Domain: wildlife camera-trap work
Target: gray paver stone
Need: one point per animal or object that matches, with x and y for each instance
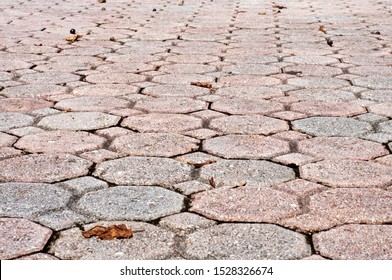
(184, 223)
(14, 120)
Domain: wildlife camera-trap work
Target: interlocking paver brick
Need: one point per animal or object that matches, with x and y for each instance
(6, 139)
(156, 242)
(385, 127)
(383, 109)
(23, 105)
(251, 69)
(328, 109)
(29, 199)
(99, 155)
(348, 173)
(294, 158)
(332, 126)
(187, 68)
(155, 122)
(190, 187)
(49, 77)
(313, 70)
(377, 95)
(60, 142)
(245, 204)
(195, 58)
(343, 206)
(246, 147)
(92, 104)
(301, 188)
(154, 144)
(341, 148)
(250, 92)
(355, 242)
(43, 168)
(239, 106)
(251, 172)
(374, 82)
(62, 219)
(248, 80)
(79, 121)
(84, 184)
(246, 241)
(143, 203)
(318, 82)
(105, 90)
(14, 120)
(323, 95)
(182, 79)
(21, 237)
(172, 105)
(34, 90)
(371, 118)
(116, 78)
(311, 59)
(146, 171)
(184, 223)
(175, 90)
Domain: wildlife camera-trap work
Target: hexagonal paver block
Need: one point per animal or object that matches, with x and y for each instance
(171, 105)
(332, 126)
(143, 171)
(60, 142)
(355, 242)
(14, 120)
(328, 109)
(311, 59)
(79, 121)
(348, 173)
(341, 148)
(374, 82)
(28, 199)
(250, 92)
(246, 242)
(245, 204)
(323, 95)
(20, 237)
(92, 103)
(239, 106)
(249, 80)
(251, 69)
(254, 124)
(49, 78)
(156, 242)
(251, 172)
(154, 144)
(175, 90)
(343, 206)
(377, 95)
(246, 147)
(183, 223)
(43, 168)
(385, 127)
(383, 109)
(23, 105)
(318, 82)
(34, 90)
(162, 123)
(115, 78)
(182, 79)
(105, 90)
(62, 219)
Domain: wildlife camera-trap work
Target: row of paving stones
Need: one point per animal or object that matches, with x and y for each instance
(315, 94)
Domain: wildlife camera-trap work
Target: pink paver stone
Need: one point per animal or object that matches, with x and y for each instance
(348, 173)
(116, 78)
(355, 242)
(173, 105)
(245, 204)
(239, 106)
(317, 82)
(250, 92)
(92, 103)
(383, 109)
(60, 142)
(195, 58)
(294, 158)
(49, 78)
(20, 237)
(249, 80)
(105, 90)
(162, 123)
(23, 105)
(6, 139)
(343, 206)
(34, 90)
(341, 148)
(246, 147)
(154, 144)
(254, 124)
(182, 79)
(301, 188)
(328, 109)
(43, 168)
(175, 90)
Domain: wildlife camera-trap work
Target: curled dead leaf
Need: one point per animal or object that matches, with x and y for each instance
(212, 182)
(112, 232)
(202, 84)
(262, 13)
(321, 28)
(73, 38)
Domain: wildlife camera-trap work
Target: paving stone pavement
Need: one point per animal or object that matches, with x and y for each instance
(216, 129)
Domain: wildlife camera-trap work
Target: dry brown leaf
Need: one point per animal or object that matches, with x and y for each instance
(73, 38)
(202, 84)
(262, 13)
(212, 182)
(101, 1)
(112, 232)
(321, 28)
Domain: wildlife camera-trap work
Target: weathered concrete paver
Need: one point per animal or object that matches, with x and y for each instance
(187, 116)
(21, 237)
(246, 241)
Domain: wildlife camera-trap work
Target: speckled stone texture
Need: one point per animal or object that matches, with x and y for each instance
(246, 241)
(21, 237)
(150, 243)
